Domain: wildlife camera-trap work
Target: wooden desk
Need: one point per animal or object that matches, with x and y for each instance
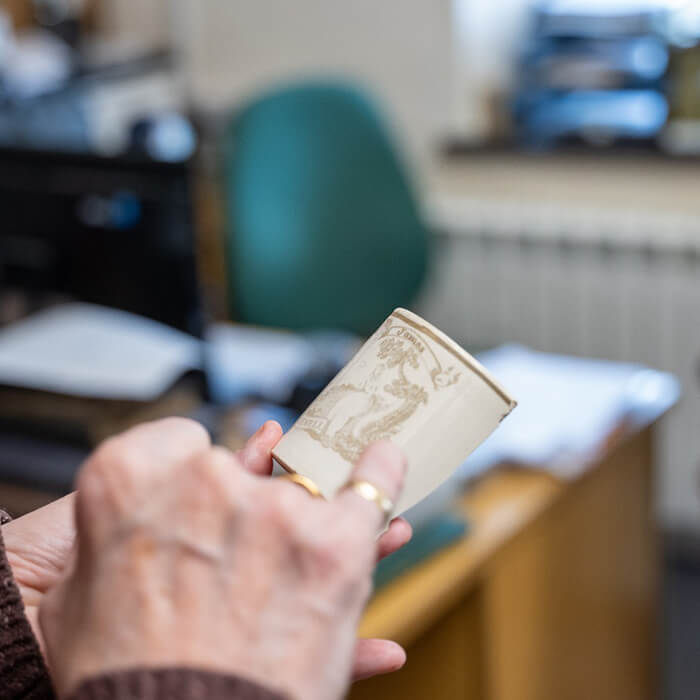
(552, 595)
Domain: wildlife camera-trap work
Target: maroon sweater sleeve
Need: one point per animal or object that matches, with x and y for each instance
(23, 674)
(171, 684)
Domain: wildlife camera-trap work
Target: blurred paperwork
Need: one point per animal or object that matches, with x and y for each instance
(568, 408)
(95, 352)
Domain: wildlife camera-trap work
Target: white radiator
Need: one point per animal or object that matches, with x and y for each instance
(616, 285)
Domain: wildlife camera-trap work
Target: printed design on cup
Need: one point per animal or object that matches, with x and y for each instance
(347, 417)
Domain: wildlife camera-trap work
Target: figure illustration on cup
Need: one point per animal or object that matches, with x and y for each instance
(409, 383)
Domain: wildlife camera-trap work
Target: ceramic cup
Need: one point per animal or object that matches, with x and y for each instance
(408, 383)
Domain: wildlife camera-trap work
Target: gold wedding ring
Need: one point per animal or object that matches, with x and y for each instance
(371, 493)
(305, 483)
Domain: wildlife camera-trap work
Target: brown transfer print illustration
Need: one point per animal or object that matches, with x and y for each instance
(348, 417)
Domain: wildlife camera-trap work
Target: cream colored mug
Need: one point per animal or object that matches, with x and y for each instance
(408, 383)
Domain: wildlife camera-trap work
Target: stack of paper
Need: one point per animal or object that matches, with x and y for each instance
(567, 407)
(97, 352)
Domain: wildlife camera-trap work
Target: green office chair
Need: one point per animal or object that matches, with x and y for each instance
(323, 229)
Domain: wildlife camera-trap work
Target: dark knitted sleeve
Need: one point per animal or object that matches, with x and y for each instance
(23, 674)
(171, 684)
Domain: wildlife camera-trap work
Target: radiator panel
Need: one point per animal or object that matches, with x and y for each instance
(566, 294)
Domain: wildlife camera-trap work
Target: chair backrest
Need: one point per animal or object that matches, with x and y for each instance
(323, 228)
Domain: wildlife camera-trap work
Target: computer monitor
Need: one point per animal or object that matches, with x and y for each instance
(111, 231)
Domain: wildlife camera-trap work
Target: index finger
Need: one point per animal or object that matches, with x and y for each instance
(383, 466)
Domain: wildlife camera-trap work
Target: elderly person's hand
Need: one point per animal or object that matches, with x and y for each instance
(38, 545)
(185, 559)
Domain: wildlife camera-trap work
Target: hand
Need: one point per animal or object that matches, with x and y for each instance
(38, 545)
(185, 559)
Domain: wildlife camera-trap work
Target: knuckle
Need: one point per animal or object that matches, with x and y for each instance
(326, 559)
(203, 470)
(209, 479)
(115, 472)
(116, 455)
(334, 554)
(164, 428)
(224, 466)
(185, 428)
(280, 508)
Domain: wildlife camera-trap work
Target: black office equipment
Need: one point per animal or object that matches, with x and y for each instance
(111, 231)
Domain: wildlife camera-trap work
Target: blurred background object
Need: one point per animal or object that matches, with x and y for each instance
(206, 205)
(592, 71)
(117, 231)
(323, 228)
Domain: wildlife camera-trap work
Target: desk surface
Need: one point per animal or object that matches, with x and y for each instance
(551, 595)
(498, 507)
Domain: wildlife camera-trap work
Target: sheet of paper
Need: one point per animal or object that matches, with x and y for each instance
(246, 361)
(94, 351)
(567, 407)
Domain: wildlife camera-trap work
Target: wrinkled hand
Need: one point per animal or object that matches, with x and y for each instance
(38, 546)
(184, 559)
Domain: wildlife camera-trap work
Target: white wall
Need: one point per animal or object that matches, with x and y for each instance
(435, 64)
(488, 35)
(401, 49)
